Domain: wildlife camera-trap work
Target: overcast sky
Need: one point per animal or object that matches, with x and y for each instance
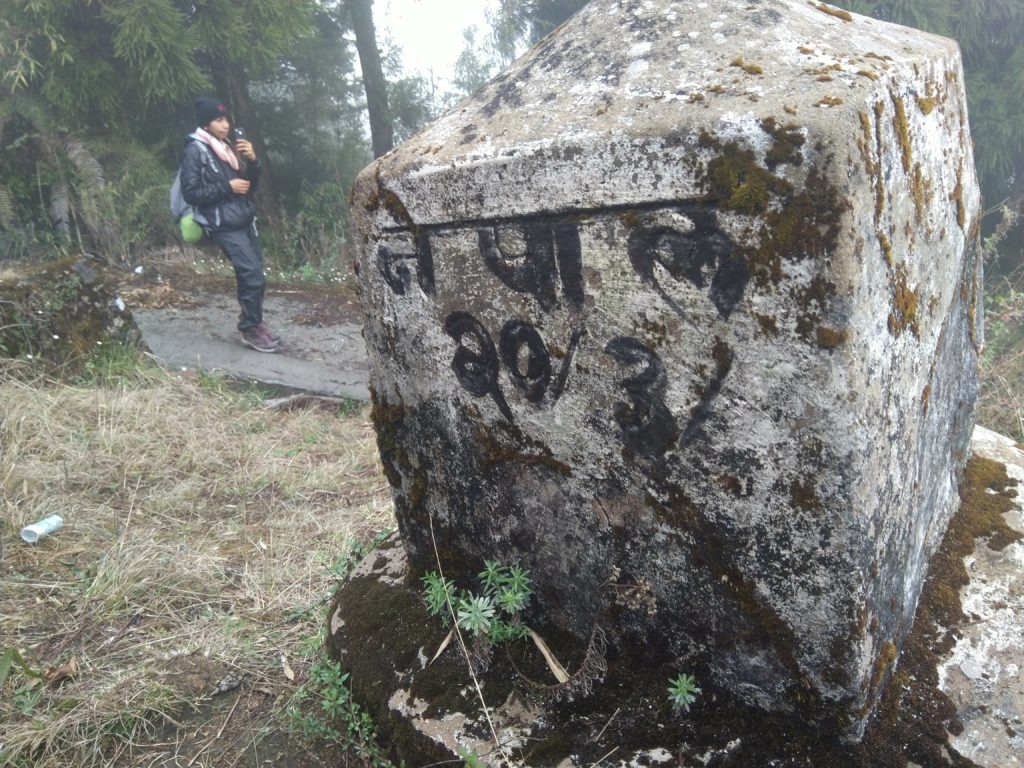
(429, 32)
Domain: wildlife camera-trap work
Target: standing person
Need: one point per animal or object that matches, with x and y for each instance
(219, 187)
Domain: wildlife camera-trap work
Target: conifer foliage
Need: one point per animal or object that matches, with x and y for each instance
(991, 38)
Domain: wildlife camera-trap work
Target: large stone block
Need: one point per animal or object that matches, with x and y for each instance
(682, 314)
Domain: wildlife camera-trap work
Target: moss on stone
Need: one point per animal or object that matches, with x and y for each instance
(830, 338)
(420, 488)
(803, 495)
(632, 219)
(787, 141)
(886, 246)
(879, 110)
(902, 128)
(750, 69)
(388, 422)
(957, 196)
(739, 183)
(883, 665)
(839, 13)
(502, 444)
(903, 314)
(394, 205)
(372, 200)
(711, 556)
(730, 484)
(384, 628)
(798, 225)
(768, 324)
(653, 333)
(813, 299)
(870, 138)
(920, 193)
(865, 127)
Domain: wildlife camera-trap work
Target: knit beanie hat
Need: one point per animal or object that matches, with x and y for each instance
(209, 109)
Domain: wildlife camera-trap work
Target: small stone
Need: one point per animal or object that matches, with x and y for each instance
(972, 669)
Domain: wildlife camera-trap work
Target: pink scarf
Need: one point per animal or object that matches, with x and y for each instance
(222, 150)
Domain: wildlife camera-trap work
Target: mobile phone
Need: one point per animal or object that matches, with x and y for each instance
(239, 133)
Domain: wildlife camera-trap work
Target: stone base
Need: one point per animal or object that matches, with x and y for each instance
(982, 673)
(965, 681)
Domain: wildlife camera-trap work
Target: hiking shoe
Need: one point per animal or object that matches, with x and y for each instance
(256, 338)
(270, 334)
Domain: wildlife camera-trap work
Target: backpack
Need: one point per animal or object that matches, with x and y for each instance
(190, 221)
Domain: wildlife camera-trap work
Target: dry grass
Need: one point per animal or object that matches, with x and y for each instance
(200, 533)
(1001, 403)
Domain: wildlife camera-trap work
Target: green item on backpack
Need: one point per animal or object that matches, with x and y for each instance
(190, 231)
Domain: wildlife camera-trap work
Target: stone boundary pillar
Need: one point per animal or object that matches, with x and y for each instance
(682, 314)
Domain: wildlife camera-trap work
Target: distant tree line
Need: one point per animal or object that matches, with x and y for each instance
(96, 97)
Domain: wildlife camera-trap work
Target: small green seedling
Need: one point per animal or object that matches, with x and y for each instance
(470, 759)
(494, 611)
(683, 691)
(438, 592)
(475, 613)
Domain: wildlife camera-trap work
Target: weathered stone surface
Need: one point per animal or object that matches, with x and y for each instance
(686, 303)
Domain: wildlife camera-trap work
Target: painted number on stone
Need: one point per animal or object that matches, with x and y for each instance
(523, 352)
(397, 258)
(647, 424)
(704, 256)
(543, 259)
(532, 257)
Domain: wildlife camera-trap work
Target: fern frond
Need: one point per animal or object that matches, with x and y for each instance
(8, 214)
(90, 172)
(60, 208)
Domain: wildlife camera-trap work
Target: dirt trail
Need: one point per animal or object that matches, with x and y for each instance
(188, 321)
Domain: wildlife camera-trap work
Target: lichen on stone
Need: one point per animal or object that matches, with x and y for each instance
(839, 13)
(903, 315)
(750, 69)
(902, 127)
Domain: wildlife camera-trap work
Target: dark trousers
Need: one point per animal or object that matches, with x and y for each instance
(242, 248)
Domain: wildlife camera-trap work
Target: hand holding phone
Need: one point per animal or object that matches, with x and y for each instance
(242, 145)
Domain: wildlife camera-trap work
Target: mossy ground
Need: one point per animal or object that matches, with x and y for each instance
(629, 711)
(58, 312)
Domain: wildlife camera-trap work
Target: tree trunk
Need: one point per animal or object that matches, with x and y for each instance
(381, 130)
(233, 86)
